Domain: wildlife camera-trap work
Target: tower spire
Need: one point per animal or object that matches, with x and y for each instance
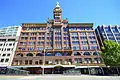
(57, 4)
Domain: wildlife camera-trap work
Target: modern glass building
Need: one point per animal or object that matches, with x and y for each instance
(57, 45)
(8, 42)
(108, 33)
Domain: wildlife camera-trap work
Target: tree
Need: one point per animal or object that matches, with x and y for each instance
(111, 53)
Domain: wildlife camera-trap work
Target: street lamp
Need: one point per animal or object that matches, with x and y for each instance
(43, 61)
(108, 68)
(44, 50)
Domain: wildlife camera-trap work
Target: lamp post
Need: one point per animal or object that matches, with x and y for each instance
(43, 62)
(88, 68)
(109, 68)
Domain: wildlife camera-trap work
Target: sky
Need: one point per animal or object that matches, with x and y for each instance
(16, 12)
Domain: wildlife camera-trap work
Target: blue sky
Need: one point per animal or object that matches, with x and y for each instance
(15, 12)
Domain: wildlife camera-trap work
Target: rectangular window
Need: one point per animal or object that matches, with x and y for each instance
(32, 38)
(10, 44)
(75, 37)
(76, 48)
(40, 48)
(39, 38)
(31, 48)
(43, 38)
(8, 49)
(24, 34)
(23, 49)
(93, 42)
(8, 54)
(11, 39)
(26, 62)
(4, 55)
(2, 60)
(110, 34)
(6, 60)
(24, 38)
(80, 28)
(36, 62)
(40, 61)
(111, 38)
(6, 44)
(91, 37)
(1, 44)
(2, 49)
(31, 43)
(83, 37)
(115, 30)
(30, 61)
(90, 33)
(48, 38)
(78, 60)
(74, 33)
(85, 47)
(94, 47)
(82, 33)
(84, 42)
(57, 38)
(88, 28)
(65, 29)
(75, 42)
(38, 43)
(33, 34)
(41, 33)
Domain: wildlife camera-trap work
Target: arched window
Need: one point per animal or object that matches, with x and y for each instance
(77, 54)
(29, 54)
(96, 54)
(20, 55)
(58, 54)
(49, 54)
(39, 54)
(86, 54)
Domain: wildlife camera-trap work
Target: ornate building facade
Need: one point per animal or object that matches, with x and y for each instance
(57, 43)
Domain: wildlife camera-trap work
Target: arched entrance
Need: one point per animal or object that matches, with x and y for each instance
(58, 70)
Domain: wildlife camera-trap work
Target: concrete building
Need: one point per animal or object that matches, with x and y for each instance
(57, 45)
(8, 42)
(108, 33)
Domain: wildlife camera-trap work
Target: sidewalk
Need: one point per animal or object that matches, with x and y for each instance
(60, 77)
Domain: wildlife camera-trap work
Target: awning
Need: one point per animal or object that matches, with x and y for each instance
(87, 66)
(24, 66)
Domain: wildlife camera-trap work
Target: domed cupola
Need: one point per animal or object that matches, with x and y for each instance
(57, 11)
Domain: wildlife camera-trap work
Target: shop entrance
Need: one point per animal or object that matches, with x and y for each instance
(58, 70)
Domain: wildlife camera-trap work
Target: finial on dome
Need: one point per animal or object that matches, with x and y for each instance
(57, 4)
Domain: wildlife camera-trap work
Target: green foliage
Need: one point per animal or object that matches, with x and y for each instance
(111, 53)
